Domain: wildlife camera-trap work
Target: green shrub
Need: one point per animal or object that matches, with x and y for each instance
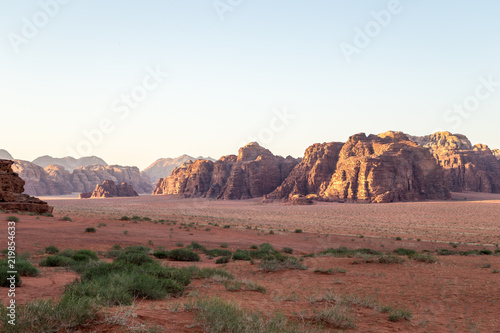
(273, 265)
(161, 254)
(404, 252)
(427, 258)
(137, 249)
(241, 255)
(56, 261)
(134, 258)
(298, 231)
(183, 255)
(196, 247)
(224, 245)
(222, 260)
(12, 218)
(399, 314)
(90, 229)
(218, 253)
(67, 253)
(51, 249)
(390, 259)
(288, 250)
(67, 218)
(125, 218)
(486, 252)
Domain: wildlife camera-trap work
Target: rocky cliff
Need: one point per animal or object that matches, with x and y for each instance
(466, 167)
(56, 180)
(108, 189)
(253, 173)
(163, 167)
(312, 174)
(385, 168)
(38, 181)
(496, 153)
(11, 189)
(4, 155)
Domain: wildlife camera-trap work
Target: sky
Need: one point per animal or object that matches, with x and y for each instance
(134, 81)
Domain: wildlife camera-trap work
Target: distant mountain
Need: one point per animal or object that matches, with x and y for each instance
(69, 163)
(4, 155)
(163, 167)
(496, 152)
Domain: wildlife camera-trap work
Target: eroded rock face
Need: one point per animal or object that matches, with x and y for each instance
(163, 167)
(69, 163)
(11, 192)
(312, 174)
(85, 179)
(496, 153)
(38, 181)
(385, 168)
(466, 167)
(108, 189)
(253, 173)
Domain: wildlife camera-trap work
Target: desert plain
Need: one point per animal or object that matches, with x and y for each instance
(456, 290)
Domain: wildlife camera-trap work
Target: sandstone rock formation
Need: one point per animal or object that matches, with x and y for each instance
(312, 174)
(109, 189)
(4, 155)
(496, 153)
(11, 189)
(38, 181)
(385, 168)
(69, 163)
(466, 167)
(163, 167)
(84, 179)
(253, 173)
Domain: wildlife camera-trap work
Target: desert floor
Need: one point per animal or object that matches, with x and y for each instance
(456, 294)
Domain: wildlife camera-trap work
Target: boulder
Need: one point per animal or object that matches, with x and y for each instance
(11, 192)
(108, 189)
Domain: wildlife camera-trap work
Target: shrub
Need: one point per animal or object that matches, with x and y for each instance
(404, 252)
(486, 252)
(67, 253)
(90, 229)
(67, 218)
(88, 253)
(224, 245)
(134, 258)
(125, 218)
(274, 265)
(427, 258)
(288, 250)
(298, 231)
(12, 218)
(227, 226)
(398, 238)
(56, 261)
(218, 253)
(399, 314)
(222, 260)
(51, 249)
(390, 259)
(183, 255)
(179, 244)
(137, 249)
(161, 254)
(337, 316)
(196, 247)
(254, 247)
(241, 255)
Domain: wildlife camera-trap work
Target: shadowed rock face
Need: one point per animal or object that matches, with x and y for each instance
(496, 153)
(253, 173)
(108, 189)
(385, 168)
(39, 181)
(466, 167)
(312, 174)
(11, 189)
(163, 167)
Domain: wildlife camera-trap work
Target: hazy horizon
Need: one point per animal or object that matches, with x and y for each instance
(134, 82)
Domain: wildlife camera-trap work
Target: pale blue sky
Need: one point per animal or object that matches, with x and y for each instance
(227, 77)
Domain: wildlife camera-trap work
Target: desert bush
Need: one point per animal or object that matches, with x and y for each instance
(390, 259)
(404, 252)
(337, 316)
(12, 218)
(427, 258)
(4, 275)
(56, 261)
(134, 258)
(486, 252)
(273, 265)
(222, 260)
(161, 254)
(51, 249)
(67, 218)
(196, 247)
(90, 229)
(241, 255)
(22, 266)
(298, 231)
(183, 255)
(137, 249)
(288, 250)
(399, 314)
(218, 253)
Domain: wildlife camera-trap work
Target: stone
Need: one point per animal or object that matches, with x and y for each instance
(163, 167)
(108, 189)
(38, 181)
(11, 192)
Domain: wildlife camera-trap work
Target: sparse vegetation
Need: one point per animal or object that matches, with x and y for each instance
(90, 229)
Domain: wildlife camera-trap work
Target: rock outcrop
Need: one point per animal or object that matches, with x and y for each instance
(11, 189)
(163, 167)
(496, 153)
(312, 174)
(38, 181)
(253, 173)
(385, 168)
(108, 189)
(69, 163)
(466, 167)
(85, 179)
